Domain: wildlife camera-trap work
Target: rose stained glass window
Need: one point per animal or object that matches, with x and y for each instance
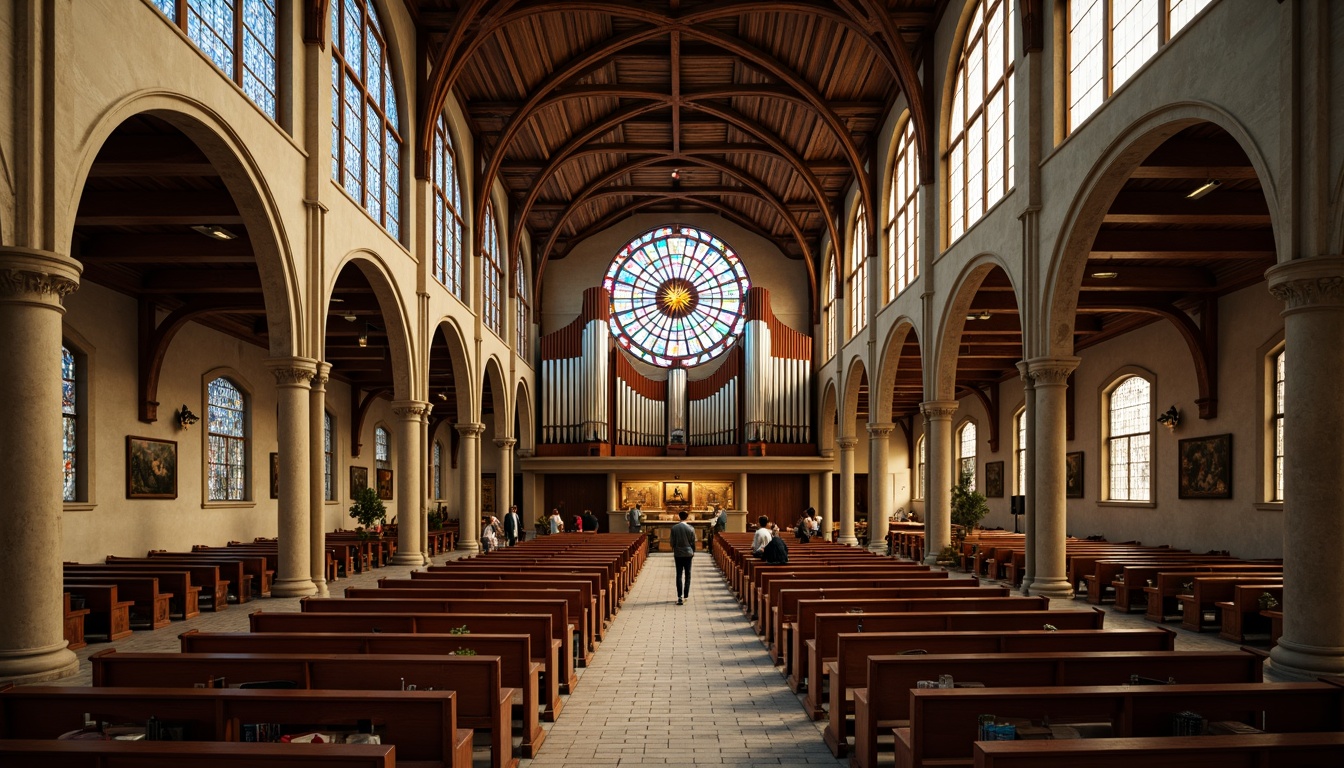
(677, 296)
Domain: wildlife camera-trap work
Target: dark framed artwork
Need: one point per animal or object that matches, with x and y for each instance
(275, 475)
(1206, 467)
(151, 468)
(359, 480)
(1073, 475)
(676, 494)
(385, 484)
(994, 479)
(487, 494)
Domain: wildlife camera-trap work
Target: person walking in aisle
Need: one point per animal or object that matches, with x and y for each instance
(683, 552)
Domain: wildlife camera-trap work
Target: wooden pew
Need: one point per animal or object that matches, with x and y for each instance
(255, 564)
(213, 589)
(537, 626)
(1207, 591)
(1131, 587)
(476, 570)
(518, 669)
(1242, 612)
(150, 607)
(420, 724)
(482, 702)
(885, 698)
(185, 600)
(762, 578)
(590, 596)
(767, 598)
(1255, 750)
(108, 615)
(186, 754)
(944, 723)
(227, 576)
(72, 628)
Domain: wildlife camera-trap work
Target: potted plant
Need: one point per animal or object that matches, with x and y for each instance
(436, 518)
(968, 507)
(369, 511)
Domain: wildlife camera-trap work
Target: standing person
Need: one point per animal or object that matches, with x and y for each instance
(513, 526)
(635, 519)
(683, 552)
(557, 525)
(762, 536)
(720, 519)
(490, 535)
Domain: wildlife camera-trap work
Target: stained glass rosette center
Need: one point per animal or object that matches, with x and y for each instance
(676, 296)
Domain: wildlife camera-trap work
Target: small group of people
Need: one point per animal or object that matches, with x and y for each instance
(767, 544)
(808, 527)
(587, 521)
(509, 530)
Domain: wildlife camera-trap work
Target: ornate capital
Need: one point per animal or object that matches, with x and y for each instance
(37, 276)
(939, 410)
(1308, 283)
(1051, 371)
(526, 453)
(472, 429)
(506, 443)
(847, 443)
(881, 430)
(322, 375)
(292, 371)
(411, 410)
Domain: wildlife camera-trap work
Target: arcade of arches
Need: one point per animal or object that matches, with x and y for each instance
(680, 252)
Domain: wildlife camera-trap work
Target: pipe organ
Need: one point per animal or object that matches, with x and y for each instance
(640, 407)
(713, 404)
(777, 376)
(574, 376)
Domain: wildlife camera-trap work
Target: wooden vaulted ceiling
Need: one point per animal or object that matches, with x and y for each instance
(590, 110)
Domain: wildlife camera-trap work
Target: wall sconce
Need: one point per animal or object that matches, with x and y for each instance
(1171, 419)
(185, 418)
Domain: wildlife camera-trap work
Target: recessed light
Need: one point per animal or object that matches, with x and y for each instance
(215, 232)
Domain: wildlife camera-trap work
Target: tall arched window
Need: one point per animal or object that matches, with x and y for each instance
(1276, 426)
(922, 450)
(1020, 451)
(903, 216)
(492, 275)
(436, 461)
(242, 45)
(523, 326)
(980, 145)
(1129, 439)
(382, 448)
(1110, 39)
(830, 323)
(70, 424)
(857, 273)
(365, 141)
(966, 452)
(226, 452)
(447, 211)
(328, 485)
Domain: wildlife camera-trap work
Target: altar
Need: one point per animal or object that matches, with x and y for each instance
(658, 524)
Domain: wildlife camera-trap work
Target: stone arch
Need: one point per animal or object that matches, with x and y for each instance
(242, 176)
(946, 337)
(523, 409)
(882, 390)
(493, 374)
(856, 373)
(1064, 276)
(407, 381)
(827, 418)
(459, 356)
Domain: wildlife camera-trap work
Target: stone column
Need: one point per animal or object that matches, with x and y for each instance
(1029, 477)
(938, 465)
(826, 479)
(426, 483)
(410, 471)
(846, 445)
(504, 482)
(879, 484)
(742, 499)
(293, 387)
(1050, 376)
(471, 481)
(1313, 485)
(32, 286)
(528, 509)
(317, 479)
(613, 497)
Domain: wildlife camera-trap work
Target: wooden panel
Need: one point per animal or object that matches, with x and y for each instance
(782, 498)
(577, 493)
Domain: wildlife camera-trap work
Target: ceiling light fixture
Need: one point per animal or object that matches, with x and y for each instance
(981, 315)
(363, 339)
(676, 174)
(349, 317)
(1204, 189)
(1103, 275)
(215, 232)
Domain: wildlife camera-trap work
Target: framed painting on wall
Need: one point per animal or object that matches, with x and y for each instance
(1206, 467)
(359, 480)
(275, 475)
(994, 479)
(676, 494)
(151, 468)
(711, 492)
(646, 495)
(487, 494)
(1073, 475)
(385, 484)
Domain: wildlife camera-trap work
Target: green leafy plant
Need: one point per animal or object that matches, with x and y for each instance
(949, 554)
(368, 510)
(1268, 602)
(462, 630)
(463, 652)
(436, 518)
(968, 505)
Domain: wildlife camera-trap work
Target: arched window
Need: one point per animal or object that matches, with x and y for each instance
(447, 211)
(922, 449)
(523, 326)
(365, 142)
(1110, 39)
(903, 216)
(328, 485)
(1129, 439)
(437, 464)
(966, 452)
(382, 448)
(980, 145)
(1020, 451)
(226, 452)
(1276, 426)
(492, 274)
(242, 45)
(70, 426)
(857, 273)
(830, 323)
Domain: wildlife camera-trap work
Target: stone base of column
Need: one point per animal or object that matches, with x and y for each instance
(930, 559)
(1305, 662)
(293, 588)
(849, 541)
(408, 558)
(321, 585)
(35, 665)
(468, 546)
(1055, 589)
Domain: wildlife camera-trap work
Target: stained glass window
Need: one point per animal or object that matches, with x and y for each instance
(1130, 440)
(69, 426)
(492, 274)
(857, 273)
(366, 143)
(382, 448)
(831, 323)
(523, 326)
(438, 469)
(980, 149)
(922, 449)
(677, 296)
(447, 211)
(1278, 426)
(327, 484)
(966, 452)
(1020, 451)
(220, 31)
(227, 441)
(903, 216)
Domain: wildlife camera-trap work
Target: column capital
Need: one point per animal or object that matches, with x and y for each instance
(1313, 283)
(469, 428)
(526, 453)
(847, 443)
(506, 443)
(322, 375)
(1051, 371)
(939, 410)
(42, 277)
(881, 430)
(410, 410)
(292, 371)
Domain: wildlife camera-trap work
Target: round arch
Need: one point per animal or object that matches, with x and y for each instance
(500, 396)
(522, 407)
(459, 359)
(827, 419)
(855, 374)
(407, 379)
(946, 339)
(883, 388)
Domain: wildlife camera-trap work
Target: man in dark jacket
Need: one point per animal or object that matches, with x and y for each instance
(513, 525)
(683, 552)
(589, 521)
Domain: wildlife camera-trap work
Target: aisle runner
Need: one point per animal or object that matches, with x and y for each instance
(682, 685)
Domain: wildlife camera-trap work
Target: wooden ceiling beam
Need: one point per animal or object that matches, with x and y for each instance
(198, 281)
(817, 165)
(1209, 151)
(1145, 278)
(1195, 173)
(1182, 243)
(186, 248)
(156, 207)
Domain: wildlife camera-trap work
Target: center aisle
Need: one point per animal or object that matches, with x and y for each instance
(682, 685)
